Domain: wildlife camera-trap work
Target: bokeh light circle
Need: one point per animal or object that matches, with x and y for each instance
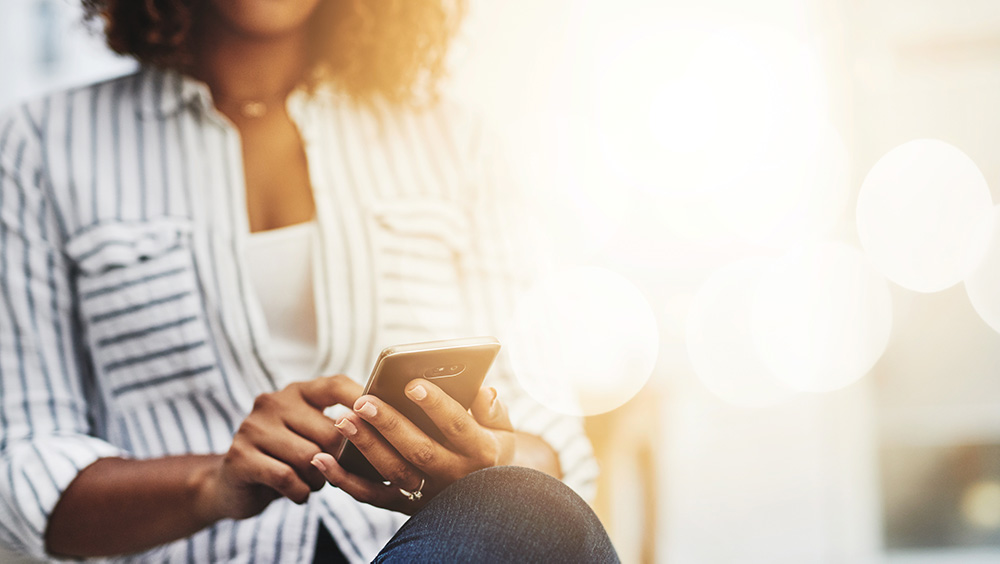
(980, 504)
(983, 283)
(720, 341)
(583, 341)
(821, 317)
(924, 215)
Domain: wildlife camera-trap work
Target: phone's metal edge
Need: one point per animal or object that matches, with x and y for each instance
(438, 345)
(394, 350)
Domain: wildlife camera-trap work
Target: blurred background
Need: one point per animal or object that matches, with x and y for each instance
(776, 258)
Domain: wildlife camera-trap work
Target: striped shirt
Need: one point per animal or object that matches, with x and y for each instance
(128, 324)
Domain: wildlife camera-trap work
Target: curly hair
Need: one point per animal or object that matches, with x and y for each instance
(390, 48)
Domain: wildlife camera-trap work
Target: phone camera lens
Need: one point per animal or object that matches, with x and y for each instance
(444, 371)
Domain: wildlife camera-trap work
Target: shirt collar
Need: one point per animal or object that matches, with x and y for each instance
(165, 93)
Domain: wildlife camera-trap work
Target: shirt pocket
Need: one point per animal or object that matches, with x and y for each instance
(421, 251)
(142, 311)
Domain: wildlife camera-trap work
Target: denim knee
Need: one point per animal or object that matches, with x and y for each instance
(503, 514)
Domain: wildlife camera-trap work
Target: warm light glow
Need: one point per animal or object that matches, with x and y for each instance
(730, 130)
(720, 340)
(981, 505)
(924, 215)
(556, 159)
(583, 341)
(674, 315)
(794, 194)
(821, 317)
(983, 284)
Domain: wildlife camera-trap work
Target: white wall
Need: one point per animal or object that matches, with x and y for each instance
(44, 45)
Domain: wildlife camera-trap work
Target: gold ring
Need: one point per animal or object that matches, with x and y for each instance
(415, 494)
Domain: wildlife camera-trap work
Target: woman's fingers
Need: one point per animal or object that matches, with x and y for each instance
(489, 411)
(365, 491)
(255, 467)
(272, 450)
(315, 426)
(412, 443)
(406, 456)
(328, 390)
(393, 466)
(288, 447)
(461, 430)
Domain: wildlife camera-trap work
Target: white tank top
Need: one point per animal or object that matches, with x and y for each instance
(279, 262)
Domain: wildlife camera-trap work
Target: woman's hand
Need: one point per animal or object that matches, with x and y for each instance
(408, 457)
(271, 452)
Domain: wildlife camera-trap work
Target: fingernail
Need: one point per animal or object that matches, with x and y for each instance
(346, 426)
(493, 395)
(368, 409)
(418, 392)
(319, 463)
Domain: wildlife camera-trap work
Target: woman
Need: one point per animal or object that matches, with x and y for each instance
(188, 250)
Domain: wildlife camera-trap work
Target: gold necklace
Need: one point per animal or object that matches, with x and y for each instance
(253, 109)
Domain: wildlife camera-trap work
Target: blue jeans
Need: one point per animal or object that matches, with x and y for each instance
(504, 514)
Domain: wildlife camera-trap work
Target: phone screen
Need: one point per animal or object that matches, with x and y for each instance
(457, 366)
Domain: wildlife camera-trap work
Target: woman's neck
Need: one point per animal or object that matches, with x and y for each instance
(241, 69)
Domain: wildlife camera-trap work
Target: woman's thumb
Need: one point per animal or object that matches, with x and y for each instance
(489, 411)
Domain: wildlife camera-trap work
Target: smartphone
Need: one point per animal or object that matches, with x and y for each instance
(457, 366)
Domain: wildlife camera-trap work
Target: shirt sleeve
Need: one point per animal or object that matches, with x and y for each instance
(509, 251)
(45, 434)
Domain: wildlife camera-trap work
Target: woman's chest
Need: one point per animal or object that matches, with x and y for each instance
(275, 173)
(164, 299)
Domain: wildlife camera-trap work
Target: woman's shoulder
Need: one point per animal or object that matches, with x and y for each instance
(143, 89)
(444, 120)
(454, 116)
(36, 104)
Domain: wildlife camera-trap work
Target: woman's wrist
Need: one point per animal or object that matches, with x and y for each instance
(204, 484)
